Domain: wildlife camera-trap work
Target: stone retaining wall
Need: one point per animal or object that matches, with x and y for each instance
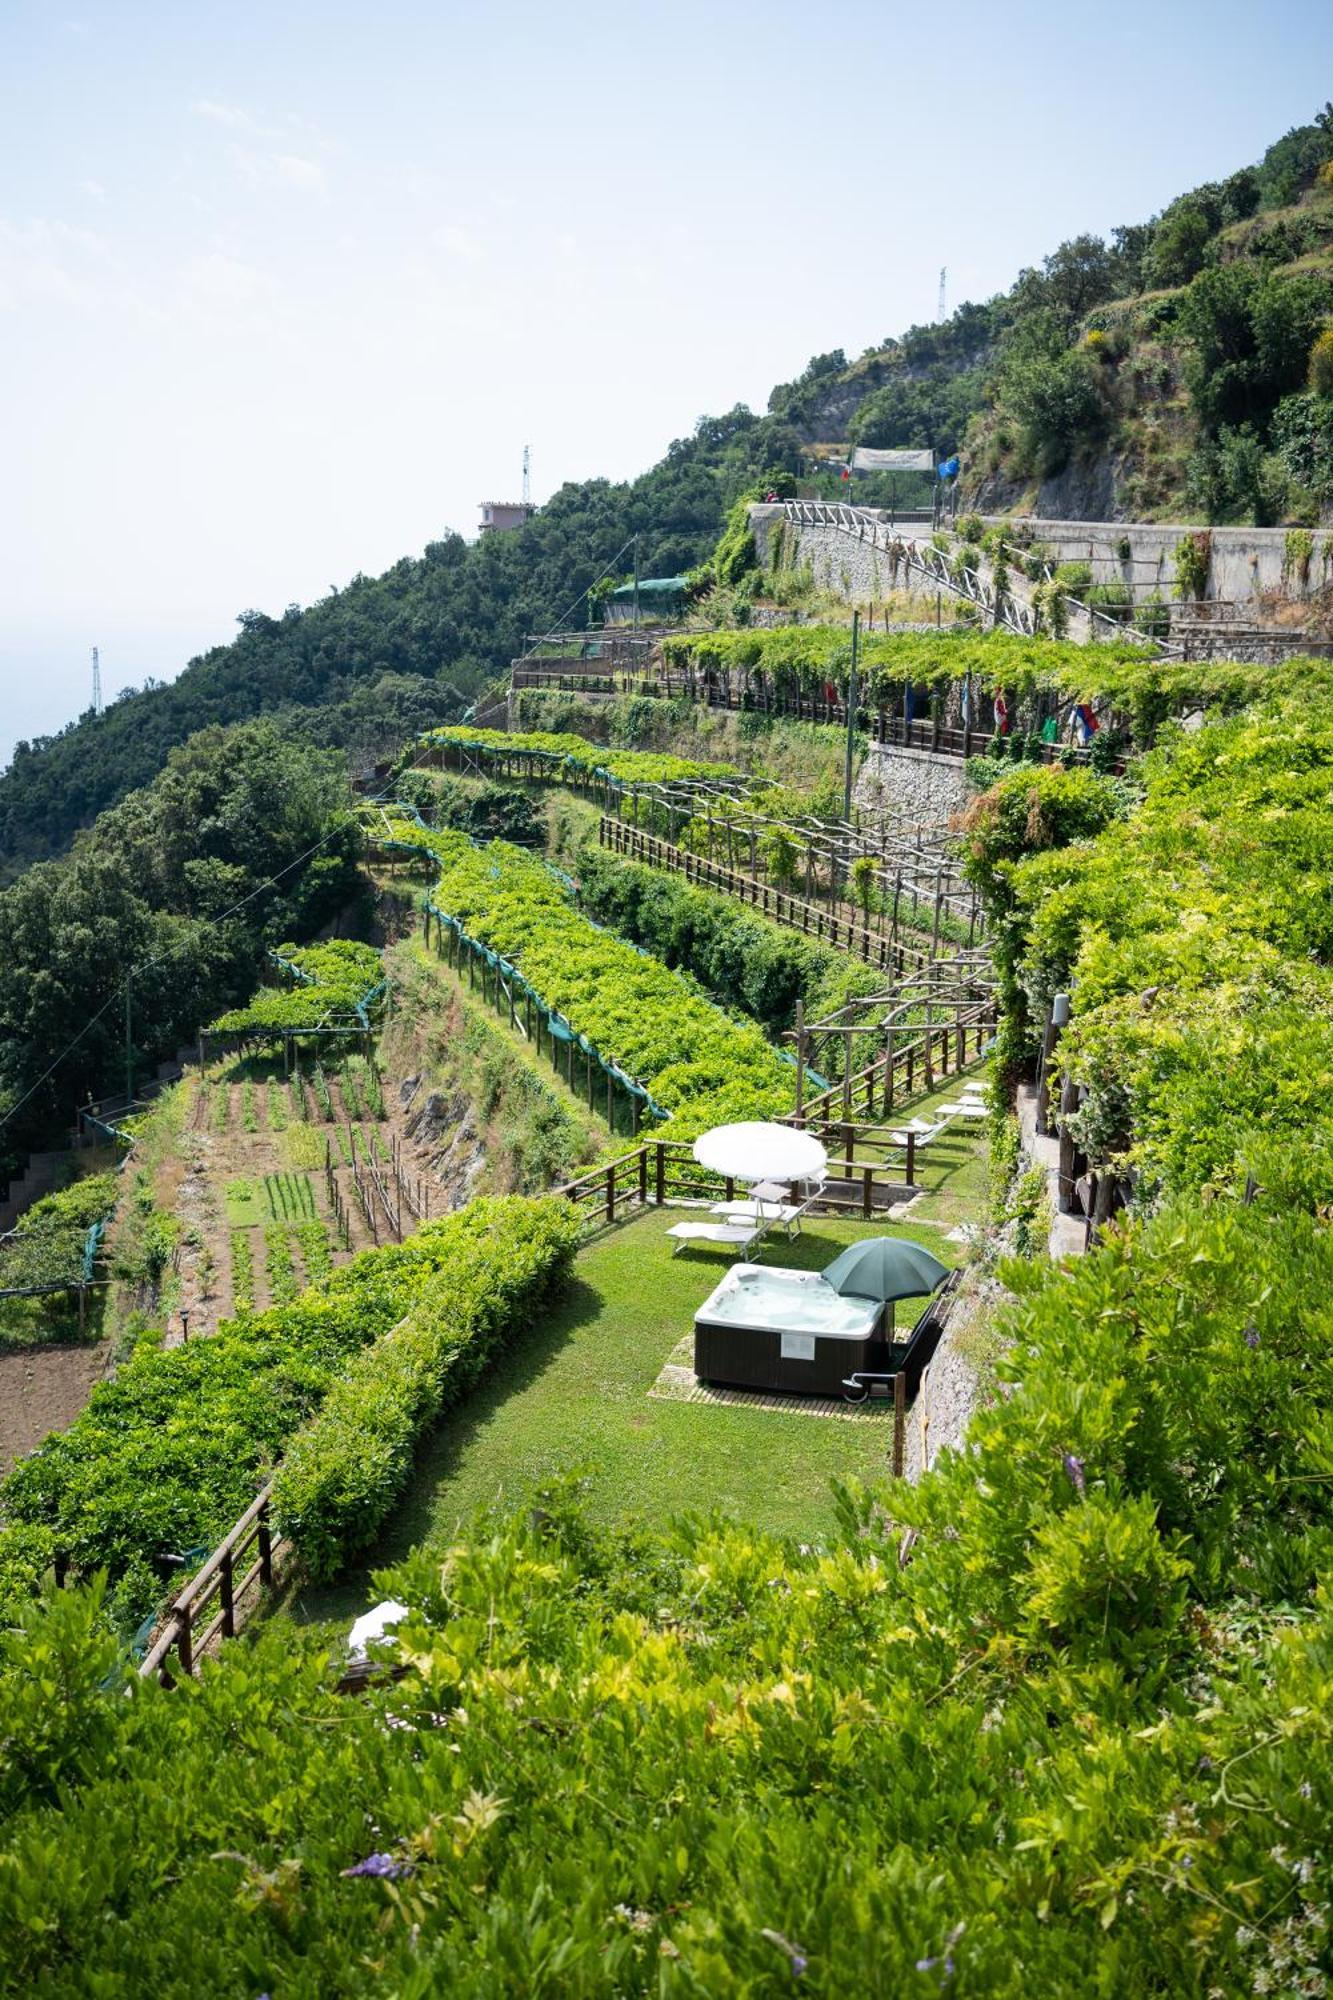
(912, 784)
(1244, 561)
(838, 561)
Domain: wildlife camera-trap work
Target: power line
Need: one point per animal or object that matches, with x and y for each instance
(97, 683)
(609, 571)
(164, 958)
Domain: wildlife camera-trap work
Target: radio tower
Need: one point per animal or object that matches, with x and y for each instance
(97, 683)
(939, 311)
(527, 478)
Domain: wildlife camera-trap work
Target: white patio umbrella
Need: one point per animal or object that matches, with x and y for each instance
(755, 1151)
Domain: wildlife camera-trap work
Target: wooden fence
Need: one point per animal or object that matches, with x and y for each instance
(914, 1068)
(888, 954)
(191, 1624)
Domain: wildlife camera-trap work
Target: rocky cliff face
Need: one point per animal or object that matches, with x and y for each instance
(1091, 489)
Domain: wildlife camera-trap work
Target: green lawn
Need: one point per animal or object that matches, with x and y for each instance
(575, 1395)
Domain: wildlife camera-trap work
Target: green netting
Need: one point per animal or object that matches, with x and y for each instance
(557, 1027)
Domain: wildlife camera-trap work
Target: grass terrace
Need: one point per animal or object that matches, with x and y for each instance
(575, 1395)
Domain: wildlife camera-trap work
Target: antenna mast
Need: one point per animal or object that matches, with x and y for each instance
(97, 683)
(944, 273)
(527, 478)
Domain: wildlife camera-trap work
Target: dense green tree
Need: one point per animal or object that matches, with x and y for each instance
(243, 840)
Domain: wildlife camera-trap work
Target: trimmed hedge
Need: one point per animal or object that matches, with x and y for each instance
(504, 1258)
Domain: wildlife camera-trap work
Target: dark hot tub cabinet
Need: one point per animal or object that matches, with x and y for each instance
(765, 1328)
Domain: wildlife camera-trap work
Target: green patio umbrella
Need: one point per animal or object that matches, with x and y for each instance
(885, 1268)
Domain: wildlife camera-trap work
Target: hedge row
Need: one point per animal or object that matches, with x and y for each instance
(168, 1454)
(502, 1261)
(568, 753)
(738, 956)
(702, 1065)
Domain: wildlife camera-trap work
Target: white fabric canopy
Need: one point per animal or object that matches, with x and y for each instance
(754, 1151)
(867, 459)
(374, 1625)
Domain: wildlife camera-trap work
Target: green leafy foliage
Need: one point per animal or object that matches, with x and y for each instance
(149, 891)
(168, 1454)
(345, 1469)
(704, 1066)
(49, 1240)
(567, 755)
(329, 982)
(740, 958)
(242, 1271)
(1195, 935)
(1087, 1693)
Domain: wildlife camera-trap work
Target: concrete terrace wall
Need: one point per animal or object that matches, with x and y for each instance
(838, 561)
(1244, 560)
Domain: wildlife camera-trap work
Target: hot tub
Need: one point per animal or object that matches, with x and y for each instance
(787, 1330)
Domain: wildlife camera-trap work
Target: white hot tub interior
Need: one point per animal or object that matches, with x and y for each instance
(754, 1295)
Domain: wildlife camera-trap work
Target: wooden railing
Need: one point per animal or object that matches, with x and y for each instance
(873, 1170)
(888, 954)
(188, 1629)
(922, 1061)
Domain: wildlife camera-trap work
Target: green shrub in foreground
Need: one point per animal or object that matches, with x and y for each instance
(1072, 1736)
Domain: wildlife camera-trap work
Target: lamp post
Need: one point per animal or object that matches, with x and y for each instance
(851, 721)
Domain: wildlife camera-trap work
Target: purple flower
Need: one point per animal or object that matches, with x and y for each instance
(1074, 1469)
(1251, 1336)
(382, 1865)
(795, 1957)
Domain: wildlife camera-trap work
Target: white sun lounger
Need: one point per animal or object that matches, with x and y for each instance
(743, 1234)
(922, 1133)
(787, 1214)
(967, 1107)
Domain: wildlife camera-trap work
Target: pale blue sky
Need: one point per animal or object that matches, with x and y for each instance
(284, 289)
